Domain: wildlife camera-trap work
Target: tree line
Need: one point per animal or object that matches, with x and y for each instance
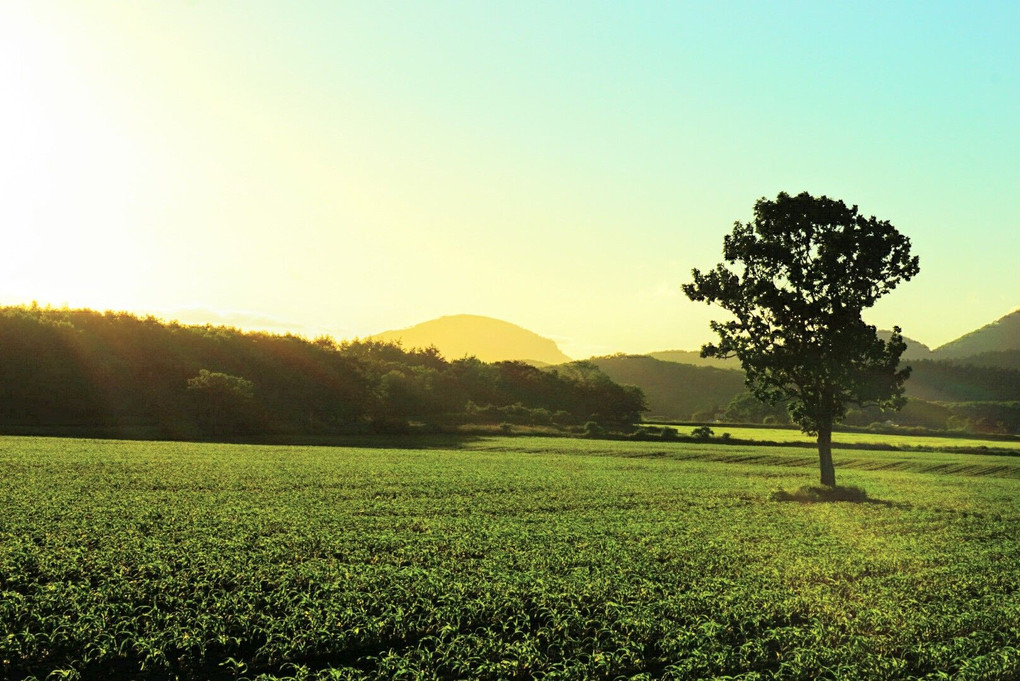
(978, 417)
(121, 374)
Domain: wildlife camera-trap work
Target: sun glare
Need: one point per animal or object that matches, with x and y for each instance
(71, 173)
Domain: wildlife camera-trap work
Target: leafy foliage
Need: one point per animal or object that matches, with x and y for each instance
(796, 280)
(746, 408)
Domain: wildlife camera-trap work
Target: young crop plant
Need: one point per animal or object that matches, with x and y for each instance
(796, 279)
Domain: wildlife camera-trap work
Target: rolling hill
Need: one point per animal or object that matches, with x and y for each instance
(980, 366)
(693, 357)
(915, 350)
(674, 390)
(1001, 336)
(678, 391)
(488, 339)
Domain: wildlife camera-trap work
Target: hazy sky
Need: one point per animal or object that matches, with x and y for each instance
(355, 167)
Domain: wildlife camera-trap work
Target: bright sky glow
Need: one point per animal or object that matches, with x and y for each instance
(357, 167)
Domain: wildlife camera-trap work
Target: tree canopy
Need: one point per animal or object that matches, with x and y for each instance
(796, 279)
(83, 372)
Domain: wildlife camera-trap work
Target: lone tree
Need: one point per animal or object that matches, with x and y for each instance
(796, 279)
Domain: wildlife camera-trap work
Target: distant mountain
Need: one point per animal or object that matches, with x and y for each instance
(674, 390)
(915, 349)
(488, 339)
(677, 391)
(693, 357)
(953, 381)
(1003, 359)
(999, 336)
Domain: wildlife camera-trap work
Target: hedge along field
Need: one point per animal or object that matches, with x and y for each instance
(855, 438)
(502, 558)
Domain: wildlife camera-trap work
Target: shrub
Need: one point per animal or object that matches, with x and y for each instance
(563, 418)
(702, 433)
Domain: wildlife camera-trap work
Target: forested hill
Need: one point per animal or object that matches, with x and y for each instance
(694, 358)
(914, 350)
(699, 393)
(118, 374)
(1002, 335)
(674, 390)
(952, 382)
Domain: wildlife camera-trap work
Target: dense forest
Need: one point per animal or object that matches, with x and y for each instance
(676, 390)
(117, 374)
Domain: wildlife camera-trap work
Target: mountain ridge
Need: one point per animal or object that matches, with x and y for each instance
(491, 340)
(1002, 335)
(682, 384)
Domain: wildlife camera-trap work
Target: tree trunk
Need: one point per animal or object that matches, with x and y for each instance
(825, 454)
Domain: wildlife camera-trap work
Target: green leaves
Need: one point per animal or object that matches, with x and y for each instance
(796, 279)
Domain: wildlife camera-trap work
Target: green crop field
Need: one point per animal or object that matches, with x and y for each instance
(502, 558)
